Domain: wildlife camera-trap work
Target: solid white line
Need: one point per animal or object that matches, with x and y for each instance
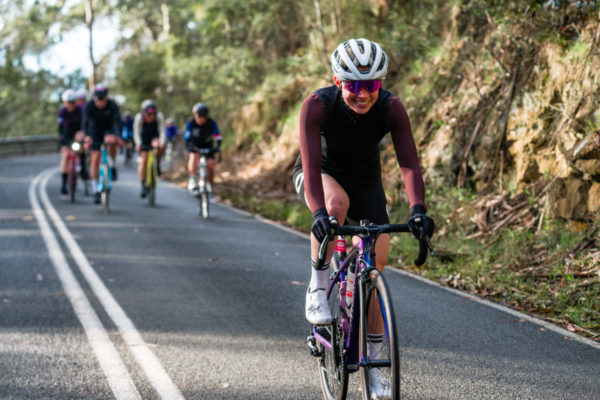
(150, 364)
(116, 373)
(508, 310)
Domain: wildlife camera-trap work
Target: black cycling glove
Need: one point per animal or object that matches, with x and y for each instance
(321, 226)
(418, 222)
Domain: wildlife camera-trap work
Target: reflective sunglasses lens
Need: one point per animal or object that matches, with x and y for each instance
(356, 86)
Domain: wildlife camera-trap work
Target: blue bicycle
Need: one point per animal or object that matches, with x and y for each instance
(104, 179)
(362, 335)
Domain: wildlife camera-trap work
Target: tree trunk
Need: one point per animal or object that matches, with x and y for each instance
(89, 21)
(165, 19)
(320, 25)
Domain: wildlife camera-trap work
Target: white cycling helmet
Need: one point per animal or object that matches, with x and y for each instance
(69, 96)
(349, 60)
(82, 94)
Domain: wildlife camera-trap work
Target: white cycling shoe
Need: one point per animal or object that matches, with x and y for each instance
(192, 185)
(317, 308)
(380, 385)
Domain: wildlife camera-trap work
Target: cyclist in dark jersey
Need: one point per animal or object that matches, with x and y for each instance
(201, 132)
(338, 172)
(101, 124)
(81, 98)
(69, 123)
(148, 132)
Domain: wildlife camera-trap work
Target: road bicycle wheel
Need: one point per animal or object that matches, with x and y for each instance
(204, 203)
(104, 196)
(152, 183)
(380, 361)
(332, 374)
(72, 181)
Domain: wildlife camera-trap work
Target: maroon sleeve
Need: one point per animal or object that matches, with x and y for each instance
(406, 152)
(312, 117)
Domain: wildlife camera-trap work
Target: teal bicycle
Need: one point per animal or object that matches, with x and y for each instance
(104, 179)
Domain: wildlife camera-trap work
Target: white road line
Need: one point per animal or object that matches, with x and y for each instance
(150, 364)
(113, 367)
(508, 310)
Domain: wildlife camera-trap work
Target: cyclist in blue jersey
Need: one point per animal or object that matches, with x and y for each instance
(149, 133)
(127, 127)
(171, 130)
(101, 124)
(201, 132)
(69, 124)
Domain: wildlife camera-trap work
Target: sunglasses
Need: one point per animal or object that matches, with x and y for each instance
(356, 86)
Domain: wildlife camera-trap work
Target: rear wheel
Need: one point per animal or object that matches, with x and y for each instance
(380, 361)
(333, 375)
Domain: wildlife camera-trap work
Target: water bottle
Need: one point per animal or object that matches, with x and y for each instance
(350, 288)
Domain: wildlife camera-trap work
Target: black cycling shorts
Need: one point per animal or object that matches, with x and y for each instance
(367, 201)
(66, 139)
(98, 139)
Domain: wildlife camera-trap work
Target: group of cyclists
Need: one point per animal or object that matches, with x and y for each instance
(337, 173)
(97, 122)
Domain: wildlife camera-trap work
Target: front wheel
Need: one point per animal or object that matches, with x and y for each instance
(104, 196)
(332, 373)
(379, 361)
(204, 203)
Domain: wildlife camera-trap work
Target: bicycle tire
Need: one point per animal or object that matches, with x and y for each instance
(104, 196)
(152, 186)
(72, 181)
(375, 288)
(204, 204)
(332, 373)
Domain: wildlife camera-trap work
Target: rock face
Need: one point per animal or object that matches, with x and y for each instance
(538, 122)
(569, 198)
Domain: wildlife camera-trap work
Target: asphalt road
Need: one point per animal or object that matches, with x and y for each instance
(157, 303)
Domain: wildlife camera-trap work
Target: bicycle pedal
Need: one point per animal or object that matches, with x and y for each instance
(324, 332)
(311, 341)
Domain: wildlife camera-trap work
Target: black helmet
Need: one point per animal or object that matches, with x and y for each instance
(200, 109)
(100, 92)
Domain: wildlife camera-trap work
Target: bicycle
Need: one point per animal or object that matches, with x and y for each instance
(169, 151)
(203, 194)
(342, 346)
(129, 146)
(151, 177)
(104, 179)
(74, 167)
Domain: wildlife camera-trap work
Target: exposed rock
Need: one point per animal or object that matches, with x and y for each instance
(569, 198)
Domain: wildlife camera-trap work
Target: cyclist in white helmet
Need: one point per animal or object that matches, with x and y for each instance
(69, 124)
(148, 133)
(81, 98)
(338, 171)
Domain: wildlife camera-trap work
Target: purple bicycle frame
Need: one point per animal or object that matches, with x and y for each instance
(349, 323)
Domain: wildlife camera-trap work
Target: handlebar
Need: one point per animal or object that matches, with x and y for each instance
(375, 230)
(205, 150)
